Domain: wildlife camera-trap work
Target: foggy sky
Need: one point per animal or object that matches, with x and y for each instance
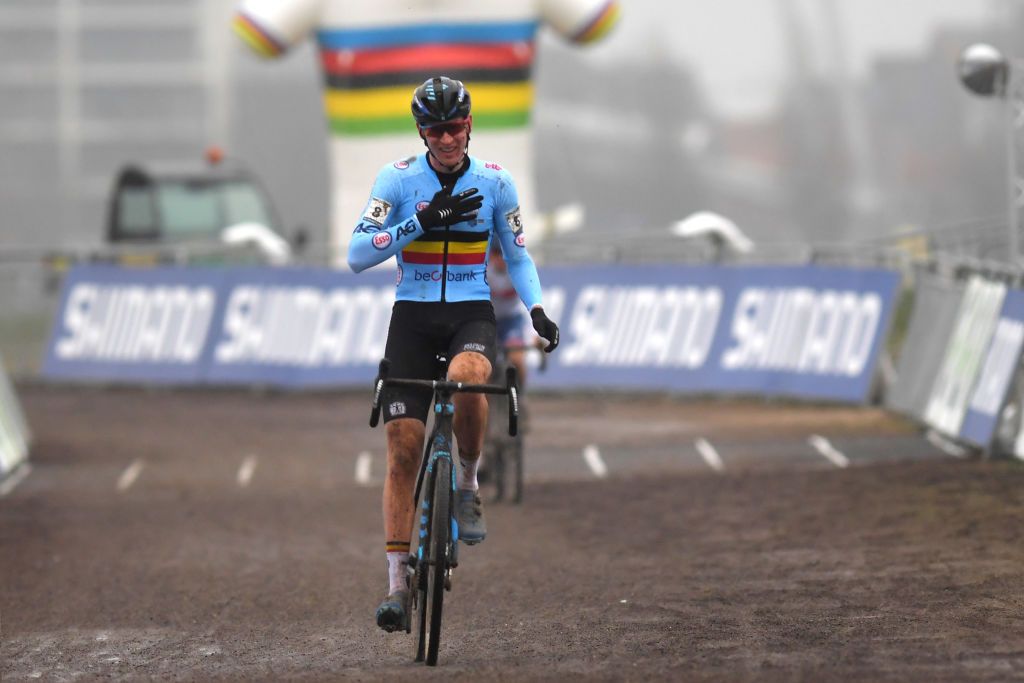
(737, 48)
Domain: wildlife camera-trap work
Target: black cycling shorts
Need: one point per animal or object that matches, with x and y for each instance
(419, 331)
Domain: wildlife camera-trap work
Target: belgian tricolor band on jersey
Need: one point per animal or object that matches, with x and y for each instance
(464, 248)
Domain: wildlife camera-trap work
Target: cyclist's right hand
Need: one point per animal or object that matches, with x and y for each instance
(446, 209)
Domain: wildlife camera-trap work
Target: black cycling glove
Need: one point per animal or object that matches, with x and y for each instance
(445, 209)
(545, 327)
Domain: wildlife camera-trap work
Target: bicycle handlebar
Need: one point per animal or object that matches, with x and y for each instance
(378, 389)
(447, 387)
(443, 385)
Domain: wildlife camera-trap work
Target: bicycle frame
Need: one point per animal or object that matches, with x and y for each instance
(436, 551)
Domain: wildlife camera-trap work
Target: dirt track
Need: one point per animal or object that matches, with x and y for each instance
(907, 565)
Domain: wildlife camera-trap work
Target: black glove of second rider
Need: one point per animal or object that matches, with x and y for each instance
(445, 209)
(545, 327)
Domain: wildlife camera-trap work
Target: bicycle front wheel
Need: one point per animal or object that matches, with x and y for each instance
(425, 491)
(440, 540)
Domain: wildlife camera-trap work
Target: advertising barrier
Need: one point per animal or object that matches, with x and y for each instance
(976, 320)
(992, 384)
(14, 432)
(932, 320)
(806, 331)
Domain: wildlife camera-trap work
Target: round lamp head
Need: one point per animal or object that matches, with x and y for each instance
(984, 70)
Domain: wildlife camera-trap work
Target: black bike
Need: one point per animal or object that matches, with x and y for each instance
(437, 548)
(503, 455)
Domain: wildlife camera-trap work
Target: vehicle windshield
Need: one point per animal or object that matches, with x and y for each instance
(198, 208)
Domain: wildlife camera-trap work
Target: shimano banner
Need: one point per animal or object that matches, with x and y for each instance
(993, 381)
(799, 331)
(134, 324)
(976, 321)
(273, 326)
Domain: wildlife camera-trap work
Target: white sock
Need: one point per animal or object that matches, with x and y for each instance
(466, 479)
(397, 564)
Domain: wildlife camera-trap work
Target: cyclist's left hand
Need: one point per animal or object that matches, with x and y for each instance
(545, 327)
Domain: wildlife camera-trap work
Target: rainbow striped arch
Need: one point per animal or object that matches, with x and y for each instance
(370, 74)
(257, 37)
(601, 24)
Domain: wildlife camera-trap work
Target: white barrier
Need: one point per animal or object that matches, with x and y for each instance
(14, 432)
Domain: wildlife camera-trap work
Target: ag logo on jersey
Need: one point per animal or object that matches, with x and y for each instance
(377, 211)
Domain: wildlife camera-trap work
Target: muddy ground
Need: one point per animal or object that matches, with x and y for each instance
(229, 535)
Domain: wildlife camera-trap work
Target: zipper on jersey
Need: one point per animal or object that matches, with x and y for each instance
(444, 263)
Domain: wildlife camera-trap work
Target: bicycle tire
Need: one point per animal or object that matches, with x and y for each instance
(440, 538)
(499, 471)
(423, 552)
(421, 604)
(517, 459)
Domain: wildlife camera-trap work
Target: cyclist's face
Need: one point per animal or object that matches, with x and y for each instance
(448, 141)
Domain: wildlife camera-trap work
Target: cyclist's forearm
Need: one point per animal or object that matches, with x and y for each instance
(523, 273)
(371, 244)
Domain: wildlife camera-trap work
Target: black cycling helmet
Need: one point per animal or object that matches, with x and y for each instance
(438, 100)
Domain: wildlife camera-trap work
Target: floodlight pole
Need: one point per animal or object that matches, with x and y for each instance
(1014, 153)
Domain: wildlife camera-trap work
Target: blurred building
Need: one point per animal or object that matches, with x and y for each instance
(88, 85)
(944, 157)
(621, 140)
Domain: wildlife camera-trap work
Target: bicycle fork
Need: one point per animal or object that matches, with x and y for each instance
(441, 448)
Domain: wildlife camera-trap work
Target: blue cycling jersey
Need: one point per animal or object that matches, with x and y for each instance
(447, 263)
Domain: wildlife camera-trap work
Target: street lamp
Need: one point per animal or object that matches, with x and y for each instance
(986, 72)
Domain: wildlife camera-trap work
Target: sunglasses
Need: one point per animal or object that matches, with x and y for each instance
(440, 129)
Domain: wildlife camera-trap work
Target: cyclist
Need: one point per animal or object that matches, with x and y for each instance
(508, 313)
(437, 213)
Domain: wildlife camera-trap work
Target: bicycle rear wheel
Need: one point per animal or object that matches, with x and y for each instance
(440, 539)
(517, 460)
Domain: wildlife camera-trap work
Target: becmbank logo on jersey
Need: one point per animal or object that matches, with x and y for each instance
(435, 276)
